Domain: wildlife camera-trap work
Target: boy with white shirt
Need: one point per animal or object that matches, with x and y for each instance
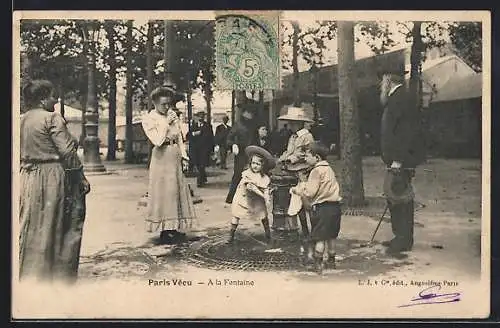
(322, 192)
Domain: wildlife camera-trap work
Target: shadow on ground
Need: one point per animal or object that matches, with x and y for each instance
(247, 253)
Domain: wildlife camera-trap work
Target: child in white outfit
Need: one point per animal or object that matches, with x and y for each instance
(251, 200)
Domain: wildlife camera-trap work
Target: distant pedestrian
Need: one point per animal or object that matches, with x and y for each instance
(201, 146)
(221, 133)
(262, 139)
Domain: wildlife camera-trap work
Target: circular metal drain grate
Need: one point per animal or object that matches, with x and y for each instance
(248, 253)
(245, 254)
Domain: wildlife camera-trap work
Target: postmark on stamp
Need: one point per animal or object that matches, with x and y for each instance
(247, 50)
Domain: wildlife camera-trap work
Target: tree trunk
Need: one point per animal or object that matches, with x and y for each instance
(233, 106)
(188, 98)
(110, 32)
(416, 60)
(149, 76)
(208, 95)
(415, 87)
(352, 164)
(129, 146)
(169, 51)
(149, 64)
(84, 99)
(295, 65)
(61, 97)
(261, 117)
(272, 112)
(208, 101)
(240, 97)
(25, 76)
(315, 95)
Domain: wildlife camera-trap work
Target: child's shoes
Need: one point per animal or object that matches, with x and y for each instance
(331, 263)
(319, 265)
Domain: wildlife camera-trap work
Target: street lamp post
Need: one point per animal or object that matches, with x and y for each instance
(91, 154)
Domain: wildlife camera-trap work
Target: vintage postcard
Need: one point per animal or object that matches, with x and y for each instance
(251, 165)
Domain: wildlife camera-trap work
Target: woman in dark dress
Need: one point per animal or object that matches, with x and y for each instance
(262, 140)
(52, 189)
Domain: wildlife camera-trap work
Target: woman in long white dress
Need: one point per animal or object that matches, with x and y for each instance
(170, 205)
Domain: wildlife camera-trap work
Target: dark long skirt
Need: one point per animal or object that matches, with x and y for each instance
(52, 212)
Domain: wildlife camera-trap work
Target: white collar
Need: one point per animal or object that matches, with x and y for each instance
(301, 132)
(394, 88)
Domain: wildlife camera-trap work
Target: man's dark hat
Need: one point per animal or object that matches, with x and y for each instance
(269, 160)
(249, 107)
(200, 113)
(242, 101)
(246, 103)
(398, 70)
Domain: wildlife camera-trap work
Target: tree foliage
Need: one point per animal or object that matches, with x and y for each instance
(377, 36)
(55, 50)
(467, 39)
(311, 42)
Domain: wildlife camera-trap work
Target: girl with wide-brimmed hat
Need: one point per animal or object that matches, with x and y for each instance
(251, 200)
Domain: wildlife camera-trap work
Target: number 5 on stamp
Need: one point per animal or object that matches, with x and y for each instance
(247, 47)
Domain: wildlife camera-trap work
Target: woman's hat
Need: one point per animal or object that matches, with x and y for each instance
(269, 160)
(295, 114)
(168, 88)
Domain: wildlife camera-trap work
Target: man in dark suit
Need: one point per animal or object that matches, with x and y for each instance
(242, 134)
(221, 133)
(201, 145)
(402, 150)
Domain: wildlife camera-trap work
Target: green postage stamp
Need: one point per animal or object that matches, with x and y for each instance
(247, 50)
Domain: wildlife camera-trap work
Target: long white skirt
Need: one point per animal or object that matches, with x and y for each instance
(170, 205)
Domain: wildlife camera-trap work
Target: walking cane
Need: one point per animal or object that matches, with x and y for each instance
(379, 222)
